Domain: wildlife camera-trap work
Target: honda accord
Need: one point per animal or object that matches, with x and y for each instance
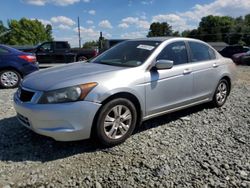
(112, 94)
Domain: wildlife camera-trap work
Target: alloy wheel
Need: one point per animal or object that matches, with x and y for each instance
(9, 79)
(117, 122)
(221, 93)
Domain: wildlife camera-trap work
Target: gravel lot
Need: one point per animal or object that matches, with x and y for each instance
(197, 147)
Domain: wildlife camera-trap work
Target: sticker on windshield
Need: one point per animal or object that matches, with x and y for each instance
(145, 47)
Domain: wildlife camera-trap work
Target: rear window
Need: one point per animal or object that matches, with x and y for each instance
(61, 45)
(201, 52)
(212, 53)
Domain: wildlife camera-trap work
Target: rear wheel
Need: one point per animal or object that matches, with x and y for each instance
(116, 122)
(221, 93)
(9, 78)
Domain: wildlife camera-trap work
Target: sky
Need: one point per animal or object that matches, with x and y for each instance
(117, 18)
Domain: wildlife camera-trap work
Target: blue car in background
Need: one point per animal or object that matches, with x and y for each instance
(14, 65)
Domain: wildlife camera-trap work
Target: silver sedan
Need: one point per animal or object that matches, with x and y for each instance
(134, 81)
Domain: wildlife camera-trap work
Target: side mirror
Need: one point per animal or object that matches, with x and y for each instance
(164, 64)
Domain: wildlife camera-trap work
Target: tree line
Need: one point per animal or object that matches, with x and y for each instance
(211, 29)
(25, 32)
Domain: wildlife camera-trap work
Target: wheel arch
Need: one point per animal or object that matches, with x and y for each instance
(126, 95)
(228, 79)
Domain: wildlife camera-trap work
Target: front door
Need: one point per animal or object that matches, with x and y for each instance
(170, 88)
(44, 53)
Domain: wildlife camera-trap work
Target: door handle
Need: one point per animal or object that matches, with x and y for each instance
(187, 71)
(215, 65)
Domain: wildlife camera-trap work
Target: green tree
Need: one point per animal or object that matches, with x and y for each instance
(244, 27)
(211, 29)
(176, 34)
(185, 33)
(160, 29)
(91, 44)
(27, 32)
(222, 28)
(2, 30)
(247, 19)
(195, 33)
(49, 32)
(2, 27)
(215, 28)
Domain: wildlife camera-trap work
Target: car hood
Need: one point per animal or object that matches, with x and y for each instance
(67, 75)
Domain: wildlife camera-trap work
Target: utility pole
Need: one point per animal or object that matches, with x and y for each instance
(79, 32)
(100, 42)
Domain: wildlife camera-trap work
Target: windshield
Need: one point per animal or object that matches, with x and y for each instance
(127, 53)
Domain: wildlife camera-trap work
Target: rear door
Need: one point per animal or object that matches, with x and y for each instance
(60, 53)
(170, 88)
(205, 67)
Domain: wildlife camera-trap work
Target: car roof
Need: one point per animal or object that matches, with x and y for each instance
(13, 50)
(160, 39)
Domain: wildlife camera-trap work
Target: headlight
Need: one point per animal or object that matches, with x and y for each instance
(68, 94)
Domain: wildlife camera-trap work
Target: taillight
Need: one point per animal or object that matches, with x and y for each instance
(28, 58)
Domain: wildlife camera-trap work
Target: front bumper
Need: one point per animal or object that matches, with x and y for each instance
(62, 122)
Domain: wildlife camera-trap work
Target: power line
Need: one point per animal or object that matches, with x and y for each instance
(248, 34)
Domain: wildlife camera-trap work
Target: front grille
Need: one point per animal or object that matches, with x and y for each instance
(26, 96)
(23, 119)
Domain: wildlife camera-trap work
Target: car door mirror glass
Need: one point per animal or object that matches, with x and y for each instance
(164, 64)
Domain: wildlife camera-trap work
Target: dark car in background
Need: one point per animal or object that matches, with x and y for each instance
(55, 52)
(242, 58)
(229, 51)
(14, 65)
(109, 43)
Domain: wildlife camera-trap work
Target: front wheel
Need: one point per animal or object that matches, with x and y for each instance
(82, 58)
(9, 79)
(116, 122)
(221, 93)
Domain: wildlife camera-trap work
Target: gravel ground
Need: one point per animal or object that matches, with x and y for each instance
(197, 147)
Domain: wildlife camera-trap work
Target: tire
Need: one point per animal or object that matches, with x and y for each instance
(82, 58)
(9, 78)
(221, 93)
(115, 122)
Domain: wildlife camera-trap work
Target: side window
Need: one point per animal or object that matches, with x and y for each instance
(212, 53)
(61, 45)
(3, 51)
(46, 47)
(176, 52)
(201, 52)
